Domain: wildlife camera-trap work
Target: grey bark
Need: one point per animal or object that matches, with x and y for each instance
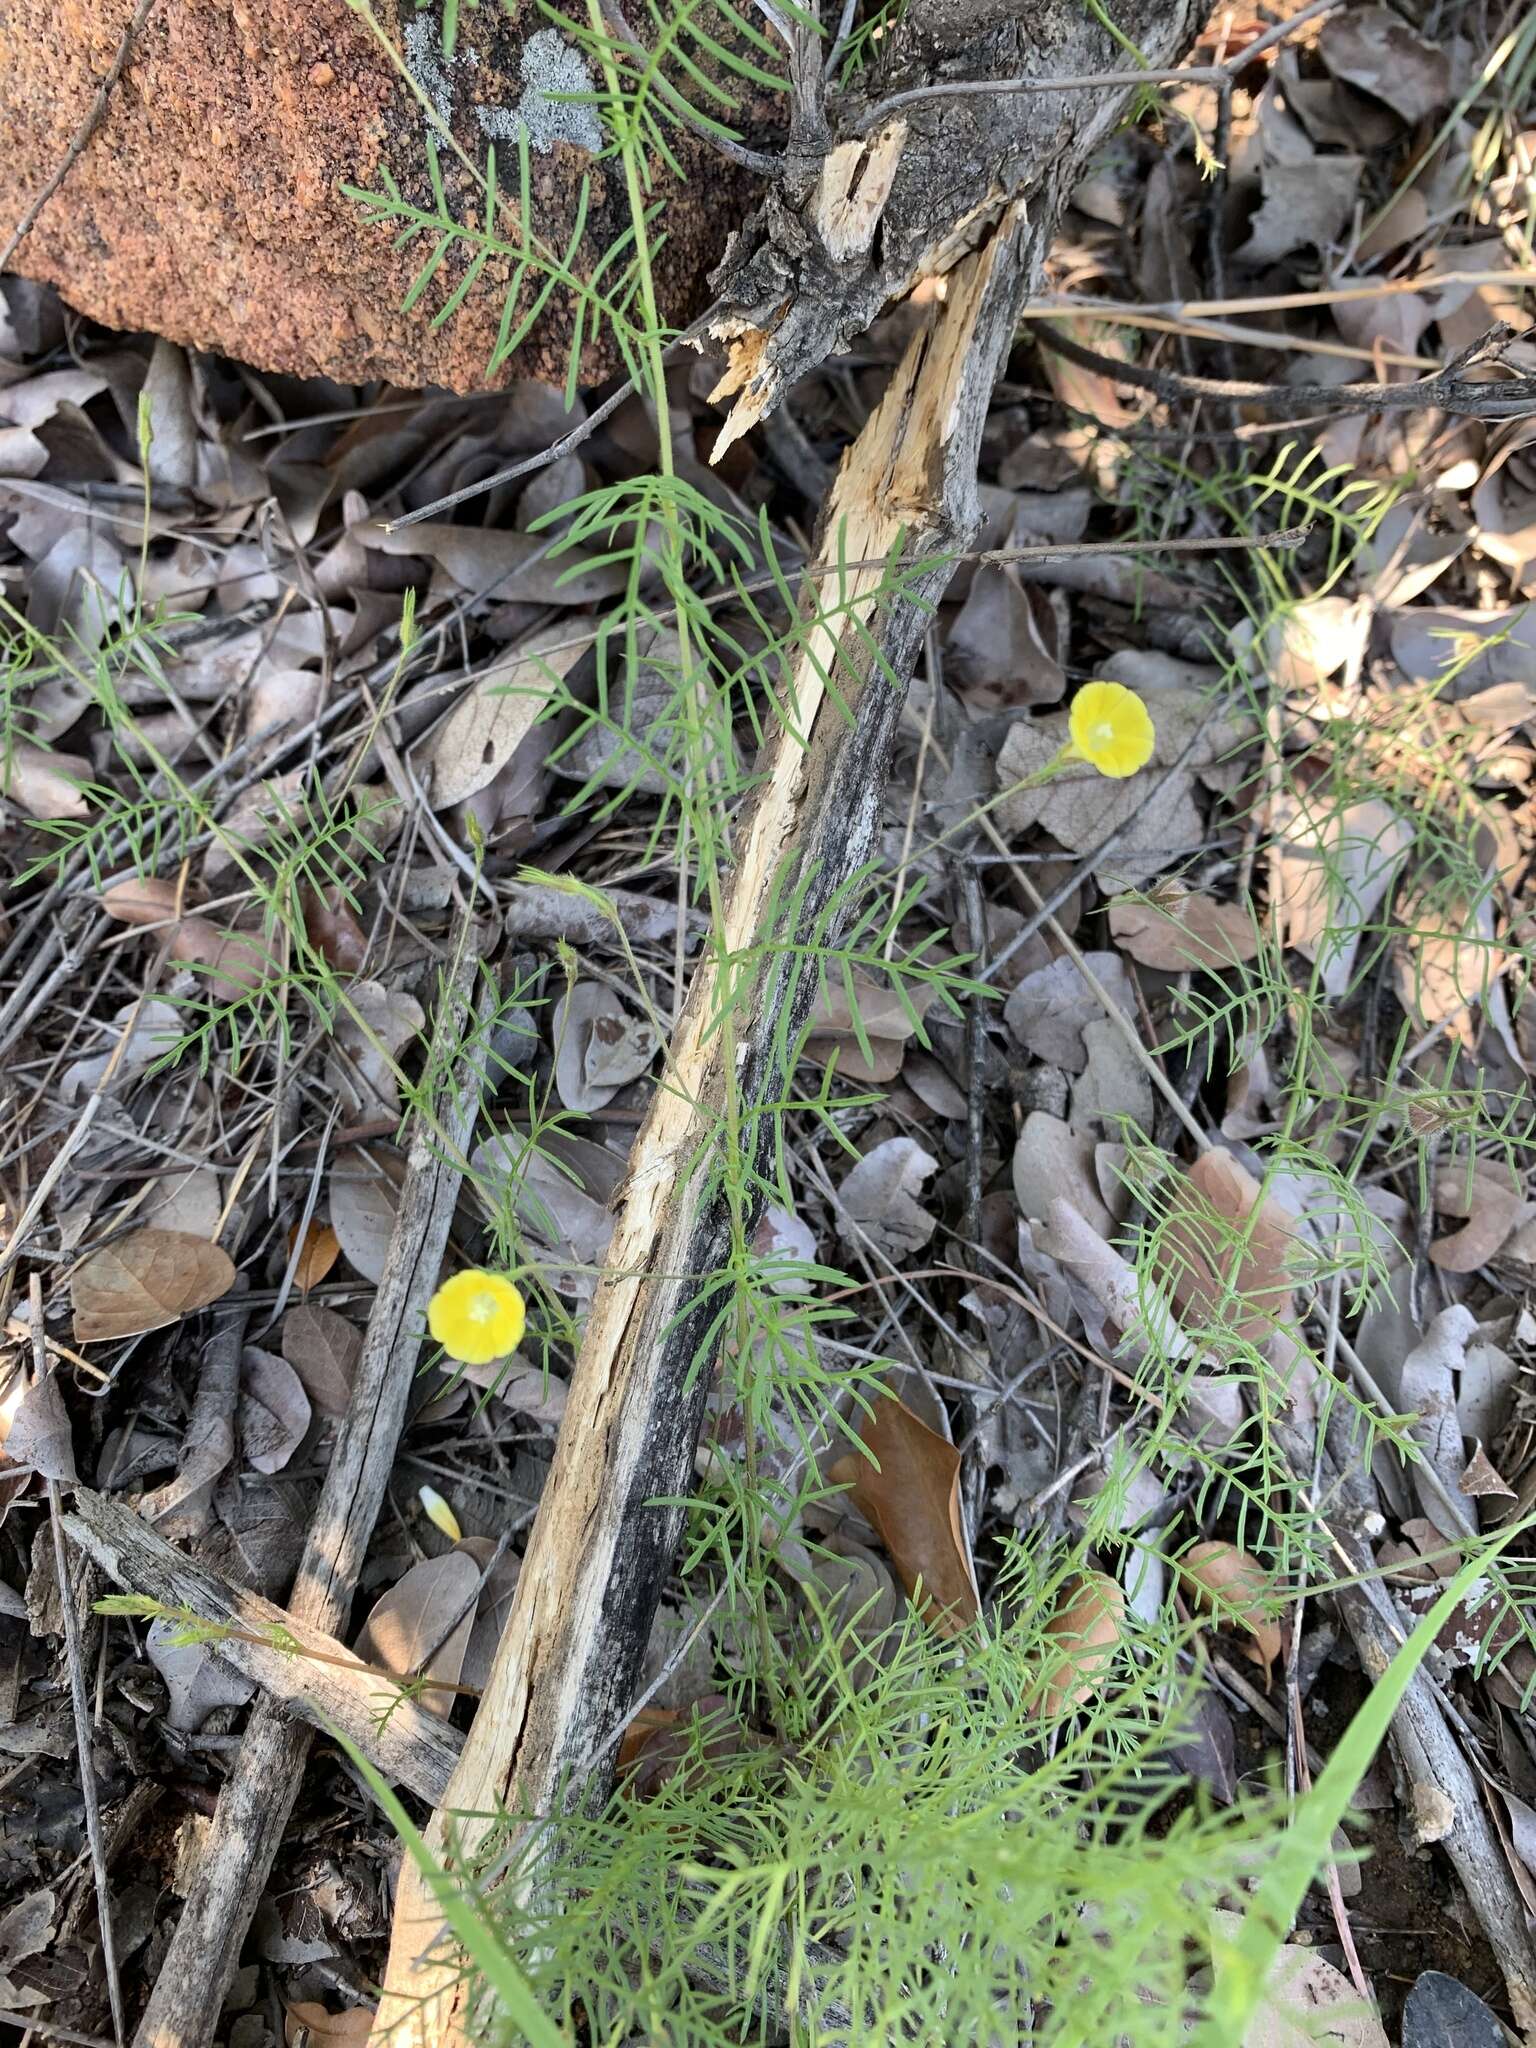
(257, 1797)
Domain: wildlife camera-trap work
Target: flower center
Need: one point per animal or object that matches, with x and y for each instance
(1104, 733)
(482, 1308)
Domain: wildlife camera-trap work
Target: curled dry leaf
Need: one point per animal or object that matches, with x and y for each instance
(364, 1199)
(1085, 1630)
(1133, 1301)
(40, 1435)
(323, 1348)
(880, 1194)
(1491, 1202)
(495, 715)
(274, 1409)
(144, 1281)
(912, 1496)
(421, 1625)
(1049, 1009)
(1238, 1590)
(1051, 1160)
(1226, 1252)
(318, 1253)
(372, 1029)
(1179, 929)
(600, 1046)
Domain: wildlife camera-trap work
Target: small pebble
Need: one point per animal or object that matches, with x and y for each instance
(320, 74)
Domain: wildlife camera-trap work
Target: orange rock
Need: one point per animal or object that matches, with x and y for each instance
(207, 206)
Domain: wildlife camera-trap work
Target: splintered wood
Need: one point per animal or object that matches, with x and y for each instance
(564, 1674)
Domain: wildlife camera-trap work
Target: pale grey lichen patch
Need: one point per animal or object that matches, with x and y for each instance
(432, 71)
(550, 65)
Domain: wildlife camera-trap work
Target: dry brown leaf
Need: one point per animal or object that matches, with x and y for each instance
(1306, 206)
(197, 1679)
(144, 1281)
(321, 1249)
(323, 1348)
(45, 784)
(40, 1434)
(1238, 1590)
(235, 962)
(153, 901)
(1052, 1161)
(1217, 1285)
(1446, 961)
(1481, 1476)
(880, 1198)
(371, 1030)
(1085, 1627)
(1183, 929)
(190, 1202)
(1051, 1005)
(274, 1409)
(495, 715)
(887, 1028)
(600, 1046)
(913, 1499)
(1330, 871)
(364, 1200)
(1373, 49)
(1307, 2003)
(331, 925)
(307, 2024)
(404, 1633)
(1493, 1205)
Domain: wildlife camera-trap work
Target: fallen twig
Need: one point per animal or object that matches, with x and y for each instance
(1464, 397)
(320, 1681)
(77, 1698)
(258, 1795)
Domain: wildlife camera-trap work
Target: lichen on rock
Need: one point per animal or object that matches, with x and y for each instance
(551, 66)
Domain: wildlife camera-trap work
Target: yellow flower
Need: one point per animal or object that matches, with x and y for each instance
(477, 1317)
(1111, 729)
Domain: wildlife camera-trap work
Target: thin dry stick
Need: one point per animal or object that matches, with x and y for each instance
(258, 1795)
(77, 1696)
(320, 1681)
(1463, 397)
(82, 134)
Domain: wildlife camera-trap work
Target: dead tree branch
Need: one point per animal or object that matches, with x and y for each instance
(258, 1795)
(410, 1746)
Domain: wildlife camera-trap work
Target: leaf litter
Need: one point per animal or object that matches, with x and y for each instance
(1100, 1280)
